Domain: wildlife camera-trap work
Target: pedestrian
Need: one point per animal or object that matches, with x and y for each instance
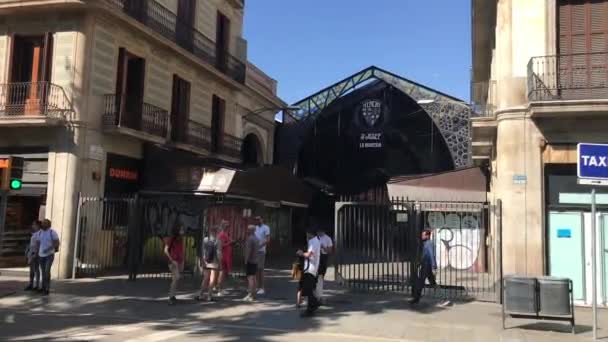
(33, 260)
(226, 266)
(326, 249)
(47, 245)
(299, 272)
(251, 262)
(174, 250)
(311, 267)
(262, 232)
(210, 261)
(427, 268)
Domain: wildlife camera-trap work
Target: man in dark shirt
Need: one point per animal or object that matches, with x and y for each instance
(427, 268)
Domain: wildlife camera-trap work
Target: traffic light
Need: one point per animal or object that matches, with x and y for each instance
(12, 173)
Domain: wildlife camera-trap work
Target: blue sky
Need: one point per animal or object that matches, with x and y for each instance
(310, 44)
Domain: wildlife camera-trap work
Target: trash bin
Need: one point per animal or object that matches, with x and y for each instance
(554, 296)
(520, 295)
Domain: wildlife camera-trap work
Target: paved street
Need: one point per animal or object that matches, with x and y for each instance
(116, 310)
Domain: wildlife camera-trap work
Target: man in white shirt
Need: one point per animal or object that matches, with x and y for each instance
(326, 249)
(262, 233)
(311, 267)
(47, 246)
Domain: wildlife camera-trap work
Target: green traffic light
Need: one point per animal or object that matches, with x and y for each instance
(16, 184)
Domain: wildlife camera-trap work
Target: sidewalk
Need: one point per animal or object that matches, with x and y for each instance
(114, 301)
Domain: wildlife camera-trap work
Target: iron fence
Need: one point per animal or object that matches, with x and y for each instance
(143, 117)
(568, 77)
(120, 236)
(378, 247)
(33, 99)
(231, 146)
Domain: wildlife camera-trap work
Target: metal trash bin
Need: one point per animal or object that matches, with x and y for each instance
(520, 295)
(554, 296)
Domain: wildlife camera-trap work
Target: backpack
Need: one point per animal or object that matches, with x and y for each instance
(210, 250)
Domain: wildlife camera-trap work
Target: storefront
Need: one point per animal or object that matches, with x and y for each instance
(568, 232)
(122, 175)
(19, 208)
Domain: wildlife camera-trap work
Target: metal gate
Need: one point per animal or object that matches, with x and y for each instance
(118, 236)
(378, 246)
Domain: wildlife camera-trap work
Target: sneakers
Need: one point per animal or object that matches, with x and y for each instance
(29, 288)
(249, 298)
(414, 301)
(172, 300)
(445, 303)
(261, 292)
(203, 298)
(221, 293)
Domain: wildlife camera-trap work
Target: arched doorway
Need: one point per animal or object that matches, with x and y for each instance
(251, 151)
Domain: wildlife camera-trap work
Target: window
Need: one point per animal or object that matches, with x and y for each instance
(30, 64)
(583, 47)
(130, 89)
(218, 107)
(180, 109)
(186, 10)
(222, 41)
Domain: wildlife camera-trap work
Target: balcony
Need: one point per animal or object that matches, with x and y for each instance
(196, 135)
(137, 119)
(230, 147)
(568, 77)
(33, 103)
(164, 22)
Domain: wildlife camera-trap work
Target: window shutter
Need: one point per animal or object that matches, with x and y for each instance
(47, 57)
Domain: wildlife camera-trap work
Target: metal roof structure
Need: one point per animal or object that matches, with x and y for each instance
(451, 115)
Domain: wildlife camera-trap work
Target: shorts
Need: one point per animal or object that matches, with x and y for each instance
(261, 260)
(323, 262)
(251, 269)
(309, 284)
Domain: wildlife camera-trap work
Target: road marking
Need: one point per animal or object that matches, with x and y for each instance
(130, 327)
(159, 336)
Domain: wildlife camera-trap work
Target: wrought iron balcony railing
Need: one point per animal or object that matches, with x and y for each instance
(231, 146)
(166, 23)
(198, 135)
(483, 98)
(568, 77)
(34, 99)
(139, 116)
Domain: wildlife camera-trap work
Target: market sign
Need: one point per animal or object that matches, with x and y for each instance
(592, 165)
(371, 111)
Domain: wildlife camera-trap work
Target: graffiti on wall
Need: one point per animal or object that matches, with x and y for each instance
(458, 239)
(160, 216)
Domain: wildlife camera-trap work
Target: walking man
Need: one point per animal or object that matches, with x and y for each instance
(311, 266)
(33, 260)
(427, 268)
(47, 246)
(262, 232)
(326, 249)
(251, 262)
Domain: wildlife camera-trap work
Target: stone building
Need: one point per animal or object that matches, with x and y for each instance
(540, 77)
(90, 90)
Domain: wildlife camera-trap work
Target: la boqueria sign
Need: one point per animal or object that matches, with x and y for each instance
(371, 111)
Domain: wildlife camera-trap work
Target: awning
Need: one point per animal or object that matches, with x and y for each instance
(272, 185)
(462, 185)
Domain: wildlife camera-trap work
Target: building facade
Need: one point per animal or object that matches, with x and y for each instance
(92, 89)
(540, 83)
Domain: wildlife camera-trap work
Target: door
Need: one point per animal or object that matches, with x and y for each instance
(130, 89)
(186, 10)
(604, 257)
(180, 109)
(566, 257)
(29, 71)
(222, 41)
(601, 253)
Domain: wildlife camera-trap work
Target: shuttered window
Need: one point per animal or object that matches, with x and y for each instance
(218, 108)
(583, 48)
